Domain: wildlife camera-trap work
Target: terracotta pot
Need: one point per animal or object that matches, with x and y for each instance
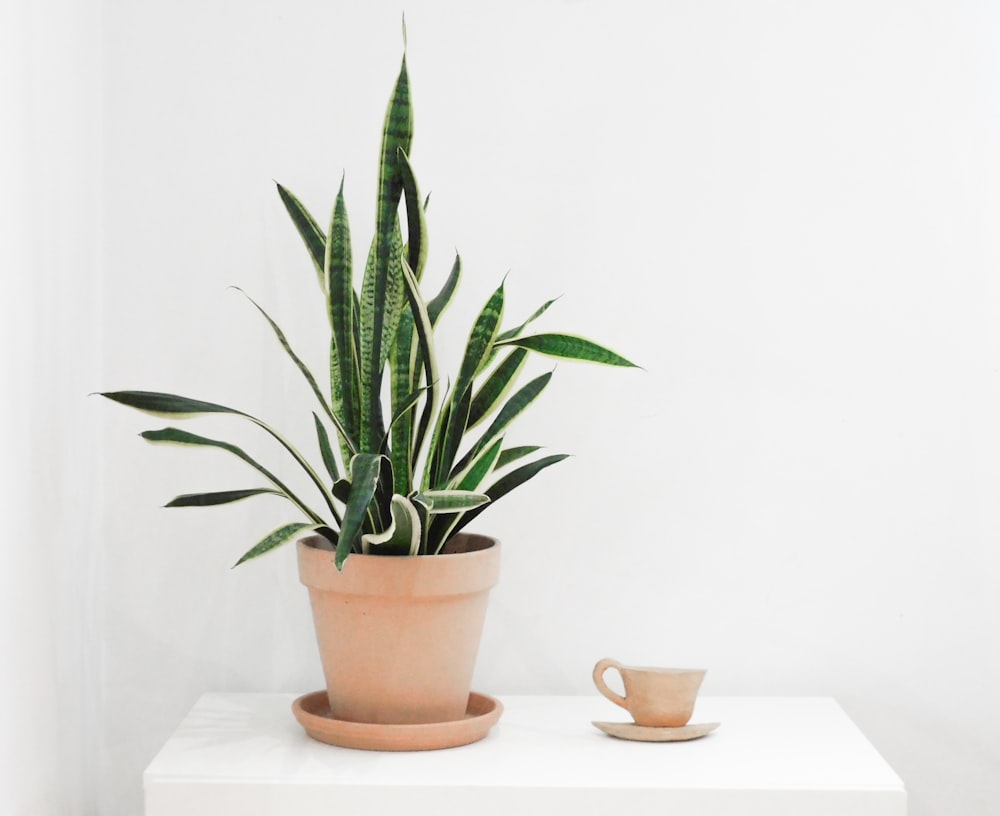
(398, 636)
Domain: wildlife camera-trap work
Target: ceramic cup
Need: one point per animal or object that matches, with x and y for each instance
(660, 698)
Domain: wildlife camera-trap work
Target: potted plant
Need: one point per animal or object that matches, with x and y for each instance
(407, 464)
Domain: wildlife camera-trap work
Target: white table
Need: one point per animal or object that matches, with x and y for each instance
(245, 754)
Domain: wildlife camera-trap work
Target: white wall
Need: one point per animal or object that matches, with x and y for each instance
(784, 211)
(50, 451)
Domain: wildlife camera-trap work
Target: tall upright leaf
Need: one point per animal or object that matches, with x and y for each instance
(344, 374)
(440, 301)
(505, 484)
(404, 355)
(510, 411)
(510, 333)
(477, 352)
(312, 236)
(403, 372)
(496, 387)
(364, 479)
(425, 354)
(304, 370)
(397, 133)
(416, 224)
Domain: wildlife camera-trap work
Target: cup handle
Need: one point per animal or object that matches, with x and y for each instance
(601, 667)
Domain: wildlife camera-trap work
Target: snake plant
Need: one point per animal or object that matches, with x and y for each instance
(404, 477)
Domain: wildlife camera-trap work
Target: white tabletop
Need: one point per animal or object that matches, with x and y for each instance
(244, 753)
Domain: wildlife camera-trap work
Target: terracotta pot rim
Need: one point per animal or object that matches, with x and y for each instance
(449, 574)
(326, 546)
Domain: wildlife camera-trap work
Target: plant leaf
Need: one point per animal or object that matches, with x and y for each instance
(312, 235)
(513, 454)
(379, 304)
(480, 340)
(436, 446)
(382, 297)
(416, 224)
(477, 351)
(570, 347)
(402, 367)
(401, 537)
(303, 369)
(401, 413)
(425, 353)
(479, 468)
(167, 405)
(496, 387)
(326, 451)
(440, 301)
(159, 404)
(510, 411)
(364, 479)
(282, 536)
(450, 501)
(222, 497)
(507, 483)
(507, 335)
(344, 374)
(178, 437)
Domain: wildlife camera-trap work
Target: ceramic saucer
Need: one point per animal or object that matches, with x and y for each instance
(313, 713)
(645, 733)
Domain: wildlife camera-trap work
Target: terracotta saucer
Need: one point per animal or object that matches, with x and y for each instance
(313, 713)
(645, 733)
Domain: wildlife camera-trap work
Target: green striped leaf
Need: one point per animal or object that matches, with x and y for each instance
(450, 501)
(479, 468)
(480, 341)
(401, 537)
(425, 355)
(496, 387)
(510, 411)
(477, 351)
(364, 479)
(513, 454)
(167, 405)
(440, 302)
(511, 333)
(404, 357)
(326, 451)
(221, 497)
(278, 537)
(178, 437)
(404, 411)
(436, 443)
(378, 301)
(505, 484)
(303, 369)
(382, 297)
(344, 374)
(312, 236)
(402, 367)
(458, 413)
(367, 358)
(159, 404)
(570, 347)
(395, 296)
(416, 224)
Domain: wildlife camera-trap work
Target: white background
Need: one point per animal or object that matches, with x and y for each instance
(785, 212)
